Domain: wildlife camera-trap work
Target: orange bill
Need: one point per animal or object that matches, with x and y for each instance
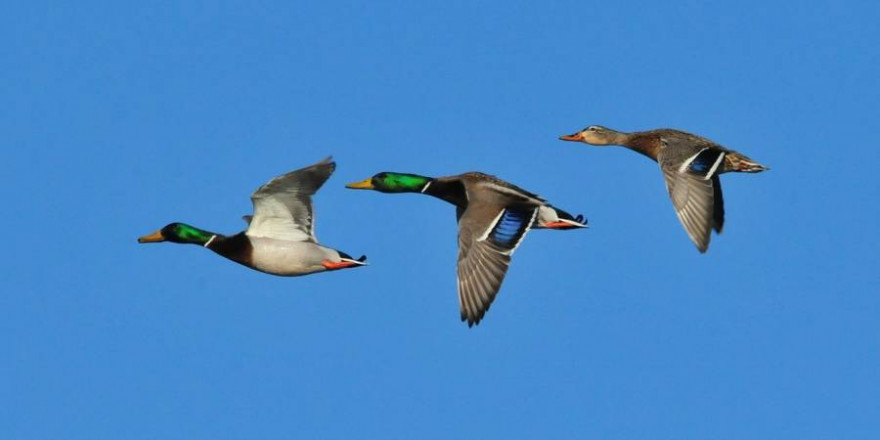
(155, 237)
(363, 184)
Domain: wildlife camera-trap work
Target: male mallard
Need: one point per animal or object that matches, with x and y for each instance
(691, 165)
(280, 238)
(493, 218)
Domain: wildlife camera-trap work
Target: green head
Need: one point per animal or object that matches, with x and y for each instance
(392, 183)
(178, 233)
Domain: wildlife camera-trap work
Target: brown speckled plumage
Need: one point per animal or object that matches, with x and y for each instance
(690, 164)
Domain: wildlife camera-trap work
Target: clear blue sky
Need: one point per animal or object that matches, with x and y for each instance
(117, 119)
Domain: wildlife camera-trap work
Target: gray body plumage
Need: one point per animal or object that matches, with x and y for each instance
(290, 258)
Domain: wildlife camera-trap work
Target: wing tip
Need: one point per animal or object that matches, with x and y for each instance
(327, 161)
(471, 320)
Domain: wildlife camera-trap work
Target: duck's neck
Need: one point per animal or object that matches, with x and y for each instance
(641, 142)
(236, 247)
(619, 138)
(451, 191)
(193, 235)
(407, 183)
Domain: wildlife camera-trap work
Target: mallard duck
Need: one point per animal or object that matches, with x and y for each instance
(493, 218)
(691, 166)
(280, 238)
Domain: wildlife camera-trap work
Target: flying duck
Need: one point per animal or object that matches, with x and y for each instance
(493, 218)
(280, 238)
(691, 166)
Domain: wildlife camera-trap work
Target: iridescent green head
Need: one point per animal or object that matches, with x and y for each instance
(178, 233)
(393, 183)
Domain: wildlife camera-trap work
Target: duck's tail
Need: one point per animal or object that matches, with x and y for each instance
(737, 162)
(550, 217)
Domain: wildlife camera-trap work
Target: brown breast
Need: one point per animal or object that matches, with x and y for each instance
(237, 248)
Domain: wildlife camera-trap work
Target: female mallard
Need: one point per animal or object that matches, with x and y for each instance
(493, 218)
(280, 238)
(691, 165)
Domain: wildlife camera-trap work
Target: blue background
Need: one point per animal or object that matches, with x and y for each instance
(119, 118)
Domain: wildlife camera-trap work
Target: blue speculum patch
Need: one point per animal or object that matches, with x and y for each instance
(704, 161)
(510, 227)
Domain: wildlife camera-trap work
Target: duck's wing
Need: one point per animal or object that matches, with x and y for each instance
(693, 185)
(488, 233)
(283, 206)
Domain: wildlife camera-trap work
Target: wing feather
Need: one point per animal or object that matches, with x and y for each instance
(283, 207)
(693, 199)
(488, 236)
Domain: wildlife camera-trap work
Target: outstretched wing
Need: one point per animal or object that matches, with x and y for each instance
(283, 206)
(693, 184)
(487, 237)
